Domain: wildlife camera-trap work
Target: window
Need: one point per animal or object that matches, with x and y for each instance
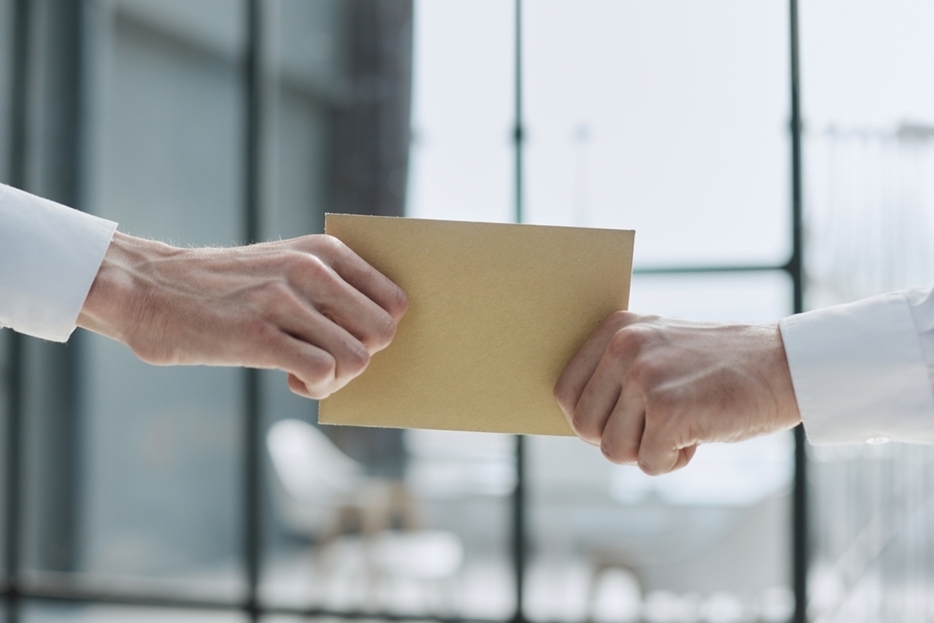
(870, 200)
(170, 493)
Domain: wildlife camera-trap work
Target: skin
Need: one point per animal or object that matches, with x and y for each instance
(308, 306)
(648, 390)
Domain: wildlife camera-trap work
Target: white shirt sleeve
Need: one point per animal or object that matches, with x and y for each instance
(49, 256)
(865, 371)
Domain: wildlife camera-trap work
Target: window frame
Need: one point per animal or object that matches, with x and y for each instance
(17, 588)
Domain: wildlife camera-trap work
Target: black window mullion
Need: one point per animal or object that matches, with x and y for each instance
(252, 420)
(14, 381)
(800, 554)
(519, 501)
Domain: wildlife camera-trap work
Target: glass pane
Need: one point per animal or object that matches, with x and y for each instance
(870, 218)
(463, 111)
(404, 523)
(664, 117)
(870, 148)
(158, 467)
(45, 613)
(309, 47)
(707, 543)
(167, 119)
(433, 541)
(729, 297)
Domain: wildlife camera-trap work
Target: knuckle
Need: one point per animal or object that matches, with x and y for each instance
(649, 466)
(620, 318)
(560, 392)
(585, 427)
(384, 330)
(618, 453)
(355, 360)
(316, 393)
(318, 244)
(305, 266)
(321, 369)
(398, 303)
(332, 249)
(627, 342)
(333, 245)
(654, 363)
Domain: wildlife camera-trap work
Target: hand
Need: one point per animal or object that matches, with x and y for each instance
(309, 306)
(648, 390)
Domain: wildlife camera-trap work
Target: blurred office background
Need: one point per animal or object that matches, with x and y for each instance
(227, 121)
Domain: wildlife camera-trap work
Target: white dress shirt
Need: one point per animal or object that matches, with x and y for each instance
(864, 372)
(49, 256)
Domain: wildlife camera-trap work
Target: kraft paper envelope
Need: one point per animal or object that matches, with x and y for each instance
(495, 313)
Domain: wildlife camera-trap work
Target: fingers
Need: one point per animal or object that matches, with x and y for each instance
(630, 436)
(324, 289)
(364, 278)
(622, 435)
(614, 394)
(305, 323)
(343, 308)
(686, 454)
(312, 370)
(581, 368)
(319, 355)
(298, 386)
(348, 290)
(658, 454)
(599, 397)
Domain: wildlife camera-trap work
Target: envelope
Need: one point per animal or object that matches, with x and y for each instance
(495, 313)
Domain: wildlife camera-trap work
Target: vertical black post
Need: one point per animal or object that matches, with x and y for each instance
(518, 136)
(13, 463)
(796, 268)
(19, 90)
(252, 426)
(518, 497)
(53, 408)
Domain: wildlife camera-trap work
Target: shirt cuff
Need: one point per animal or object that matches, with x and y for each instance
(49, 257)
(859, 373)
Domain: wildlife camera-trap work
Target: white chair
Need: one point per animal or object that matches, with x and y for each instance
(324, 494)
(316, 480)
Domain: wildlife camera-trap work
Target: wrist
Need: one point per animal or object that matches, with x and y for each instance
(116, 299)
(779, 374)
